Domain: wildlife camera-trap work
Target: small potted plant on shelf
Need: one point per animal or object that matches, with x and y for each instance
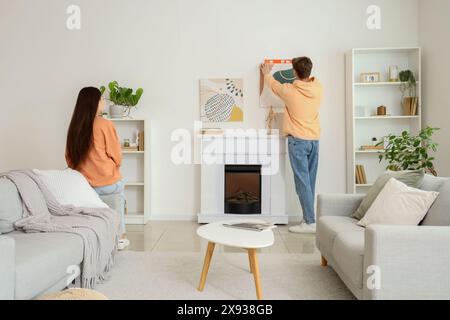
(123, 99)
(408, 83)
(409, 152)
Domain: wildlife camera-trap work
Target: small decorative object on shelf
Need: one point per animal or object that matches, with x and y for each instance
(374, 141)
(123, 99)
(370, 77)
(393, 74)
(381, 111)
(269, 120)
(126, 143)
(362, 111)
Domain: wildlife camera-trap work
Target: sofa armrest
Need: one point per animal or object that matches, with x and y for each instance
(7, 268)
(338, 204)
(412, 262)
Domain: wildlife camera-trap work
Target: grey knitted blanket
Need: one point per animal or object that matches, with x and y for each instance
(98, 227)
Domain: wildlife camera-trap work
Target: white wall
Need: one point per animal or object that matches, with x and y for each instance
(165, 46)
(435, 42)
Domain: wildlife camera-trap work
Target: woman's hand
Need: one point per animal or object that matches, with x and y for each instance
(266, 68)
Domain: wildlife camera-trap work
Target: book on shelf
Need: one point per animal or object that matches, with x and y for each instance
(360, 174)
(371, 148)
(251, 226)
(363, 172)
(141, 141)
(357, 175)
(131, 148)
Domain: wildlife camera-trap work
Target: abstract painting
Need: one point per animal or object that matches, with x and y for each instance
(221, 100)
(282, 71)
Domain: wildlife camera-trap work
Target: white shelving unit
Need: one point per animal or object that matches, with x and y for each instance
(368, 96)
(135, 170)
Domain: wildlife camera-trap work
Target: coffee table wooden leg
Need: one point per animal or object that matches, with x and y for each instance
(208, 256)
(254, 263)
(250, 262)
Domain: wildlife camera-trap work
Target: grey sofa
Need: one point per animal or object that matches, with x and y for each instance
(411, 262)
(33, 264)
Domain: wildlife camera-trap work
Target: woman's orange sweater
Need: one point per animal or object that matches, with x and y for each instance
(102, 164)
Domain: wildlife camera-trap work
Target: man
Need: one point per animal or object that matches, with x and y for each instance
(302, 126)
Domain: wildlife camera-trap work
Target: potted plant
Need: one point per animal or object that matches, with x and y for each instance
(123, 99)
(408, 83)
(409, 152)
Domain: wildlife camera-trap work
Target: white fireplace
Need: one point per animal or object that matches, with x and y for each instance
(230, 165)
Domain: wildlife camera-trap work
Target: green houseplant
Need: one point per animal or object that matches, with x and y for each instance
(123, 99)
(410, 152)
(409, 83)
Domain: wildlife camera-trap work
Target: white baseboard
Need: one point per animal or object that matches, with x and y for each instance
(190, 218)
(172, 217)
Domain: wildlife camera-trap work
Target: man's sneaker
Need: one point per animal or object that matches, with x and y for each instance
(303, 228)
(123, 244)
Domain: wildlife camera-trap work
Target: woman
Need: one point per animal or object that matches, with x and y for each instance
(93, 148)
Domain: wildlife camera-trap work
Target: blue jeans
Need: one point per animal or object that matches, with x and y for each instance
(119, 189)
(304, 156)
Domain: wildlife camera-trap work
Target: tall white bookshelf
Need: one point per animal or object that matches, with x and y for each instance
(135, 170)
(362, 100)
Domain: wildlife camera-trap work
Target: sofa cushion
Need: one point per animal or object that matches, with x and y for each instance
(439, 213)
(348, 253)
(432, 183)
(42, 260)
(70, 188)
(412, 178)
(10, 205)
(328, 227)
(398, 204)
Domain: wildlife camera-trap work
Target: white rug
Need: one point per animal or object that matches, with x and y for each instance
(167, 276)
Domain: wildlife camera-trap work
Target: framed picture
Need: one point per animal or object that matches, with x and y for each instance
(370, 77)
(221, 100)
(284, 73)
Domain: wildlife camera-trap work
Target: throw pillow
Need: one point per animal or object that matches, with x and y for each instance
(439, 214)
(398, 204)
(69, 187)
(410, 178)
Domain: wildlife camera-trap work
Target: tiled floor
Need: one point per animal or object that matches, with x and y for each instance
(175, 236)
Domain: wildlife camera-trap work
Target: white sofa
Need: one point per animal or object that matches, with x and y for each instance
(411, 262)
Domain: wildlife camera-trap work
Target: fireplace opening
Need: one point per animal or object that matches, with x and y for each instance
(242, 189)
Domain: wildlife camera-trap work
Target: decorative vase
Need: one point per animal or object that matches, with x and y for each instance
(116, 111)
(393, 74)
(381, 111)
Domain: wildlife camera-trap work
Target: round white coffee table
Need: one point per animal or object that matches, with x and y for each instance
(217, 233)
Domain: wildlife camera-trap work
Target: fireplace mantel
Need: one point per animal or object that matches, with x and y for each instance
(243, 150)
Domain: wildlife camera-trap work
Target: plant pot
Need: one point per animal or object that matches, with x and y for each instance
(116, 112)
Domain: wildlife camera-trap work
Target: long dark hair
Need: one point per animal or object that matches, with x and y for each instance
(80, 133)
